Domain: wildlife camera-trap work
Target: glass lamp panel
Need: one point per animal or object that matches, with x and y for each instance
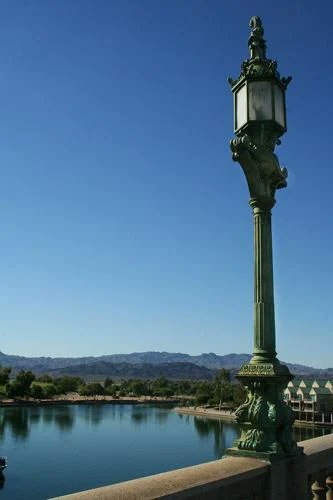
(260, 101)
(279, 106)
(241, 107)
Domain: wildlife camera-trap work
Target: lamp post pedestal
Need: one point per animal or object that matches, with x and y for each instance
(264, 418)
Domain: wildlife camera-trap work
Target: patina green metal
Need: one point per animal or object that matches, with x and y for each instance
(265, 420)
(258, 66)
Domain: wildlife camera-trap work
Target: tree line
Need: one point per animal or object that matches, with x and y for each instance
(216, 392)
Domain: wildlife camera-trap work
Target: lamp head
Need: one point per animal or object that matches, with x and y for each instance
(259, 92)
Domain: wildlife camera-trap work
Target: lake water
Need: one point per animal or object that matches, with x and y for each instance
(58, 450)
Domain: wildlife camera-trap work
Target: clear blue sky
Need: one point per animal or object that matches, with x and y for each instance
(125, 224)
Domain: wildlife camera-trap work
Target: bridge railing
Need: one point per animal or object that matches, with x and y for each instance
(319, 467)
(234, 478)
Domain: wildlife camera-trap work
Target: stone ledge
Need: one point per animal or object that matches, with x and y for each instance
(213, 479)
(319, 453)
(230, 478)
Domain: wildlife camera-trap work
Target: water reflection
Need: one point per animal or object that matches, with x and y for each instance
(303, 433)
(139, 416)
(93, 414)
(18, 421)
(15, 420)
(34, 416)
(205, 428)
(47, 414)
(144, 414)
(162, 416)
(64, 419)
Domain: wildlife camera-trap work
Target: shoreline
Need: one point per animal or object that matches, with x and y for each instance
(85, 400)
(211, 413)
(304, 423)
(203, 412)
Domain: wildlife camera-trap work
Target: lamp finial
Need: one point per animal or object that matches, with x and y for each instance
(257, 44)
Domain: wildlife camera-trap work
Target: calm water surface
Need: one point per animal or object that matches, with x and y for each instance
(62, 449)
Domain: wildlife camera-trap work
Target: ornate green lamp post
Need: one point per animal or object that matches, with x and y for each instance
(260, 119)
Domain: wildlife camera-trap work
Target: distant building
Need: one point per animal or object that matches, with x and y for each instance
(303, 393)
(322, 397)
(299, 382)
(311, 399)
(304, 384)
(290, 394)
(294, 383)
(329, 385)
(320, 382)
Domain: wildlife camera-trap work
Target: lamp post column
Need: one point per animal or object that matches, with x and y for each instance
(264, 418)
(264, 321)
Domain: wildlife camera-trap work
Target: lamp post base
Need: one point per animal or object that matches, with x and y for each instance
(264, 418)
(267, 456)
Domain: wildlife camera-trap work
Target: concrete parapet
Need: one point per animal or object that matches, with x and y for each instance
(210, 480)
(233, 478)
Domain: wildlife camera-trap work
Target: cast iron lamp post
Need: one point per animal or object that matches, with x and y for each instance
(260, 119)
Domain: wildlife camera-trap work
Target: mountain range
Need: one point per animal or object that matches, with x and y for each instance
(102, 369)
(148, 364)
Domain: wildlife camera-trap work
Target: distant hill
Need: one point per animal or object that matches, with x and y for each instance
(211, 361)
(178, 371)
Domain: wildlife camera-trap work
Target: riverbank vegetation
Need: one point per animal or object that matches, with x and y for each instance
(218, 392)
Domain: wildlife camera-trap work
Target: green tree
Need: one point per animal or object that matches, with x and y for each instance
(138, 388)
(49, 390)
(36, 391)
(4, 375)
(67, 384)
(201, 398)
(108, 381)
(21, 385)
(45, 379)
(222, 387)
(222, 376)
(238, 395)
(124, 388)
(161, 382)
(111, 390)
(203, 393)
(93, 389)
(183, 387)
(160, 386)
(166, 392)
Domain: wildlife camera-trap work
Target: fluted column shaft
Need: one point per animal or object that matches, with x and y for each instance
(264, 321)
